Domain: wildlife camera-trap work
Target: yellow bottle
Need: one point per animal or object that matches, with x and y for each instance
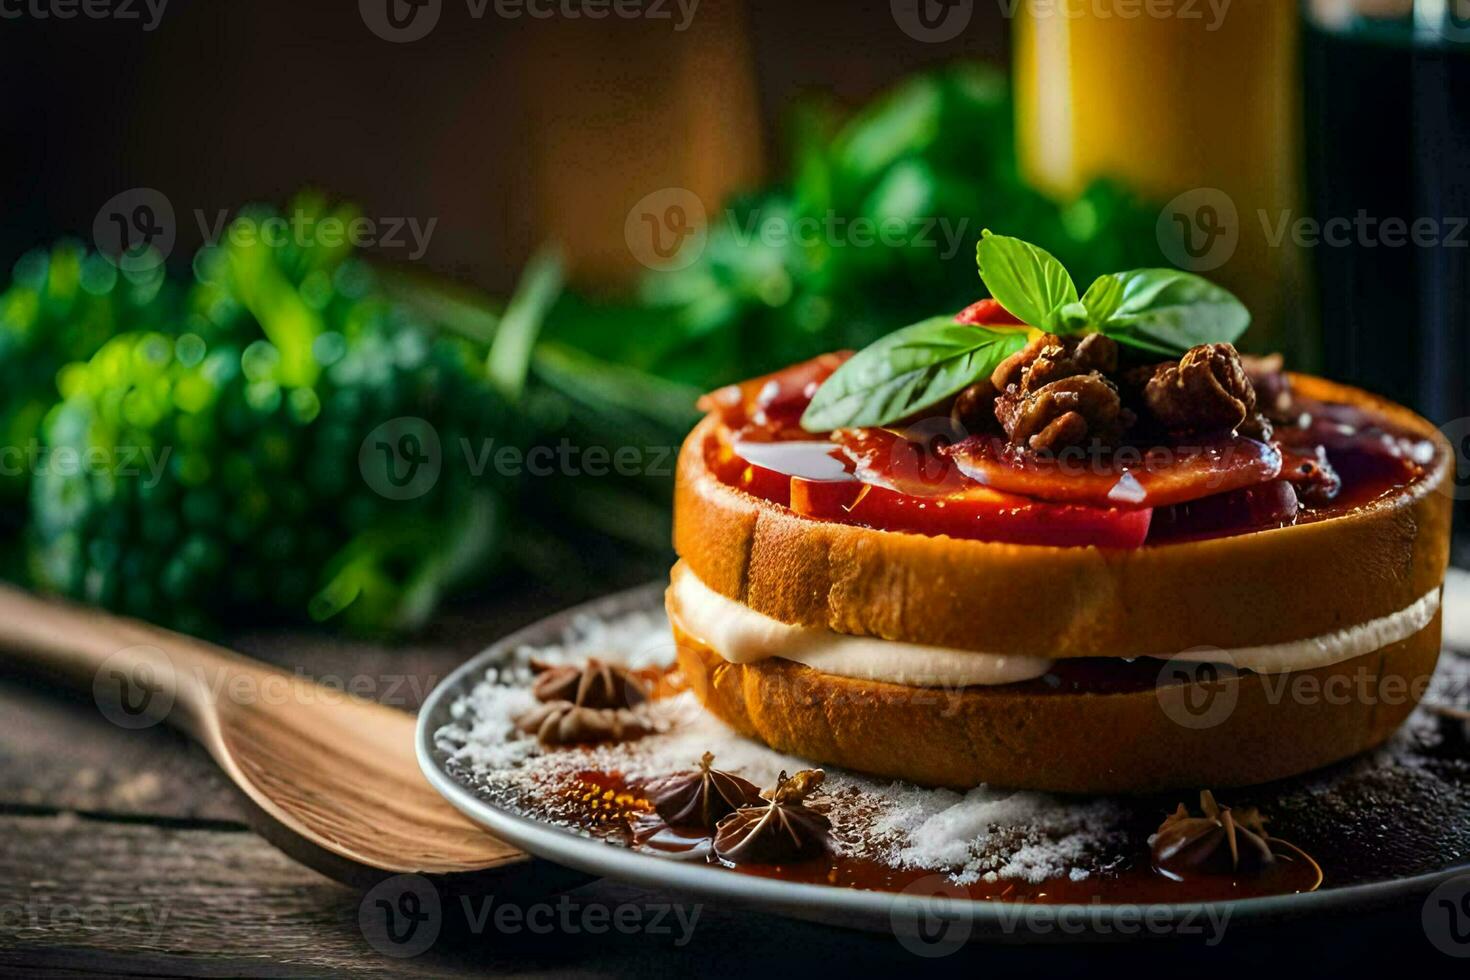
(1191, 102)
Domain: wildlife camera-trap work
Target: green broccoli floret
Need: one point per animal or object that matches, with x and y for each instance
(61, 306)
(298, 448)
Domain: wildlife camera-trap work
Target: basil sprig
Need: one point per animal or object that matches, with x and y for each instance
(909, 370)
(1162, 312)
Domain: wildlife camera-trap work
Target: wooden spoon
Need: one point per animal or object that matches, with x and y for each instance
(331, 779)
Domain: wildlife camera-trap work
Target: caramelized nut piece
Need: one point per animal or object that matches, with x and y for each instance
(1065, 359)
(1207, 391)
(1054, 393)
(974, 407)
(1063, 413)
(1009, 371)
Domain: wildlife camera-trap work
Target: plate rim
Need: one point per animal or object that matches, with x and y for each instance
(806, 900)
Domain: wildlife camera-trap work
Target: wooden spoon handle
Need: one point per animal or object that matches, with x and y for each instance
(126, 664)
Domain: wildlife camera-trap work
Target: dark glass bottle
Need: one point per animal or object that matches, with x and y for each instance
(1388, 152)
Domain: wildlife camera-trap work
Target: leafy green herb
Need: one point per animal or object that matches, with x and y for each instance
(1103, 298)
(1028, 281)
(908, 371)
(1168, 311)
(510, 353)
(1161, 311)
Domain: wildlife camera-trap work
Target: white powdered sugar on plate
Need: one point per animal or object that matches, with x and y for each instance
(993, 834)
(983, 834)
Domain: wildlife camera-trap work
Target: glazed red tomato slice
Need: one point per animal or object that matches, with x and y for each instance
(765, 484)
(977, 514)
(773, 401)
(903, 461)
(986, 312)
(1272, 504)
(765, 467)
(1141, 478)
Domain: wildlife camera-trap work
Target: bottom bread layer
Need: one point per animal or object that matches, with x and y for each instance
(1193, 729)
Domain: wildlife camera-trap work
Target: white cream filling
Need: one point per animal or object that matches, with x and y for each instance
(1325, 650)
(742, 635)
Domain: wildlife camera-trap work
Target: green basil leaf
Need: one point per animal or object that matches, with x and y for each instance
(1167, 311)
(1103, 298)
(1028, 281)
(1071, 318)
(908, 371)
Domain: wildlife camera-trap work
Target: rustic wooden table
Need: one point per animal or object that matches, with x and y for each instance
(124, 853)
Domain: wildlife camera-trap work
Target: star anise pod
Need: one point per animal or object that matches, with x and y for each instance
(702, 797)
(595, 684)
(1221, 841)
(781, 828)
(564, 723)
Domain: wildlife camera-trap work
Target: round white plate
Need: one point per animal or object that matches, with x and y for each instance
(935, 919)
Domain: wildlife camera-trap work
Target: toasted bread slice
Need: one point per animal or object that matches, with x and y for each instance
(1233, 731)
(1244, 590)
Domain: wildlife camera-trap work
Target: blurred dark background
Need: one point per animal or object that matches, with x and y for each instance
(508, 131)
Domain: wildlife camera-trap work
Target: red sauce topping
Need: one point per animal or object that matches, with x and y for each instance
(1332, 459)
(1127, 476)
